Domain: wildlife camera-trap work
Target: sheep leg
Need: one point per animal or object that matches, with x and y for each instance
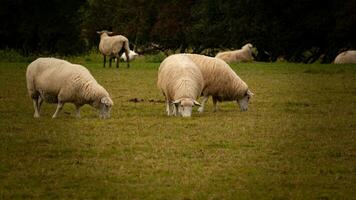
(201, 108)
(117, 60)
(168, 108)
(127, 58)
(40, 101)
(175, 109)
(77, 111)
(110, 59)
(104, 60)
(215, 104)
(59, 108)
(35, 105)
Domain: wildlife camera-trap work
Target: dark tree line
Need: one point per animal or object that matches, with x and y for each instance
(298, 30)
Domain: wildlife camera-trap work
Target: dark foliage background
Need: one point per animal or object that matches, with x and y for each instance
(298, 30)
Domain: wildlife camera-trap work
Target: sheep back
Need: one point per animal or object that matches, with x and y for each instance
(179, 77)
(220, 80)
(346, 57)
(112, 45)
(53, 78)
(241, 55)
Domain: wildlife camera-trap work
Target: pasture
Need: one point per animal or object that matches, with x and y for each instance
(296, 141)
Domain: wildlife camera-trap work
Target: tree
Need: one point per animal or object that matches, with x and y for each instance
(51, 27)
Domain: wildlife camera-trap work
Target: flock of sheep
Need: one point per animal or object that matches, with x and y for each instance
(182, 79)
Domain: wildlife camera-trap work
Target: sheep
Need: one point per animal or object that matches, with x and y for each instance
(181, 83)
(58, 81)
(221, 82)
(132, 56)
(346, 57)
(113, 46)
(242, 55)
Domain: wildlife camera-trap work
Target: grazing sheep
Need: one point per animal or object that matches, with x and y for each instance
(113, 46)
(242, 55)
(132, 56)
(58, 81)
(221, 82)
(181, 82)
(346, 57)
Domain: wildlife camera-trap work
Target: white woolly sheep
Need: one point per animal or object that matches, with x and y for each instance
(242, 55)
(346, 57)
(181, 82)
(113, 46)
(58, 81)
(132, 56)
(221, 82)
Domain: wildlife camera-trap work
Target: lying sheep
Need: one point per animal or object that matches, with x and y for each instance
(346, 57)
(132, 56)
(58, 81)
(181, 82)
(242, 55)
(221, 82)
(113, 46)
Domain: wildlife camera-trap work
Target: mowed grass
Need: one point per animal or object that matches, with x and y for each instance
(297, 141)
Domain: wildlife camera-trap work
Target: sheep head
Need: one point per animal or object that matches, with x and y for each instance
(104, 33)
(104, 107)
(243, 102)
(248, 46)
(184, 106)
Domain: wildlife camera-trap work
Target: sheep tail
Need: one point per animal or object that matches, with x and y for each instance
(126, 46)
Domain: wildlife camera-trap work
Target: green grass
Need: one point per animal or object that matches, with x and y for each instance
(297, 141)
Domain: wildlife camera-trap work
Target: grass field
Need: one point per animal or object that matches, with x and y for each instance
(297, 141)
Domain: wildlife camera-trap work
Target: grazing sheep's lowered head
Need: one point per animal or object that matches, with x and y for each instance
(243, 101)
(184, 106)
(104, 107)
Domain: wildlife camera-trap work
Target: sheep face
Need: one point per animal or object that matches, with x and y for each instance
(104, 107)
(243, 102)
(184, 106)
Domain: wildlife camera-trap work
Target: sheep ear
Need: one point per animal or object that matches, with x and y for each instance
(110, 32)
(99, 32)
(249, 93)
(177, 101)
(196, 103)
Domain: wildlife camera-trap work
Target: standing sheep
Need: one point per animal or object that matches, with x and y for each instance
(221, 82)
(113, 46)
(58, 81)
(242, 55)
(181, 82)
(346, 57)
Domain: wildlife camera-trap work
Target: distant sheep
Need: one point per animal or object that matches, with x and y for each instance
(242, 55)
(346, 57)
(113, 46)
(58, 81)
(221, 82)
(181, 82)
(132, 56)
